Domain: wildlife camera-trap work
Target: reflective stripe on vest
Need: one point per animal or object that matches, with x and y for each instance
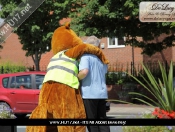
(62, 69)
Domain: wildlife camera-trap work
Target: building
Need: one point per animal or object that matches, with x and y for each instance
(117, 53)
(12, 52)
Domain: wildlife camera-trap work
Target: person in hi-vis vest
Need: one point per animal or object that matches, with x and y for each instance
(60, 96)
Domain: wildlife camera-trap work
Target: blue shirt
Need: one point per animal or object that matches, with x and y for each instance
(93, 86)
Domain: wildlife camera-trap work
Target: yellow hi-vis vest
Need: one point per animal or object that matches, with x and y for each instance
(62, 69)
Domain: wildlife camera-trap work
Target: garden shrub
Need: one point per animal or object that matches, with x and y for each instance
(9, 67)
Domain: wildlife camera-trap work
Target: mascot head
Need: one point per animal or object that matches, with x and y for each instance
(64, 38)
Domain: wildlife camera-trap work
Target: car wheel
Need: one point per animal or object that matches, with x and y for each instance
(4, 106)
(20, 115)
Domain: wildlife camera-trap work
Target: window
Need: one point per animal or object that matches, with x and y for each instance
(39, 81)
(23, 82)
(116, 42)
(5, 82)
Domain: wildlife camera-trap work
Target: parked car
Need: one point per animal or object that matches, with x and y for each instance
(20, 92)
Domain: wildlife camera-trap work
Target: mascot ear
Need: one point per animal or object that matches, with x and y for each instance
(67, 25)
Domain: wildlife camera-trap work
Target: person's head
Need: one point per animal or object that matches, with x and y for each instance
(93, 40)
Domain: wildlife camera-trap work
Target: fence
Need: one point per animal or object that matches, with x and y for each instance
(135, 68)
(132, 68)
(118, 72)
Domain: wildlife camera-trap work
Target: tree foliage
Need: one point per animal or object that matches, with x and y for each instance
(109, 18)
(36, 31)
(103, 18)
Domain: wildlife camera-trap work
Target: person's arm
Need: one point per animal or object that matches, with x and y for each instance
(79, 50)
(82, 74)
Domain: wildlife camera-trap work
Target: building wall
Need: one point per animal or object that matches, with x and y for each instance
(165, 55)
(45, 58)
(120, 58)
(173, 54)
(120, 55)
(12, 52)
(114, 55)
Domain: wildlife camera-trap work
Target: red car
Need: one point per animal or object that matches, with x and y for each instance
(20, 91)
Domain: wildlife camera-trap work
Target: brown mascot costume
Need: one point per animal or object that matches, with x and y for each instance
(59, 96)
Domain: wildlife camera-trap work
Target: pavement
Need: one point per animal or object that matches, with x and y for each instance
(118, 111)
(125, 110)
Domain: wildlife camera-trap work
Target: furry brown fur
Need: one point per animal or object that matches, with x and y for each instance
(57, 100)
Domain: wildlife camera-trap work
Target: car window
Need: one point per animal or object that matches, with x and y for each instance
(39, 81)
(5, 82)
(23, 82)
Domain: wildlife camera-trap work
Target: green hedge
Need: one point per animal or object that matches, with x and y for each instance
(9, 67)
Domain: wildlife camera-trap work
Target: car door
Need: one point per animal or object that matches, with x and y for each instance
(22, 94)
(38, 78)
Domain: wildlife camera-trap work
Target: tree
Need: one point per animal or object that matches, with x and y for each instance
(103, 18)
(109, 18)
(36, 31)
